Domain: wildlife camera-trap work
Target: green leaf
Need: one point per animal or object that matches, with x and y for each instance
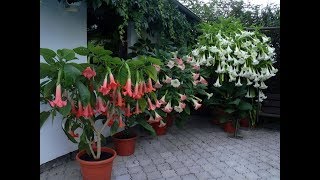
(65, 110)
(47, 52)
(235, 102)
(83, 51)
(43, 117)
(45, 70)
(123, 75)
(66, 54)
(68, 135)
(187, 109)
(245, 106)
(83, 145)
(114, 128)
(142, 103)
(70, 74)
(84, 92)
(154, 61)
(147, 126)
(229, 110)
(49, 88)
(152, 72)
(48, 55)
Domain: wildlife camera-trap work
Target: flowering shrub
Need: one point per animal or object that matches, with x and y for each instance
(232, 54)
(106, 89)
(178, 85)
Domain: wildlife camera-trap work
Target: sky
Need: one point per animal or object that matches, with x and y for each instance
(258, 2)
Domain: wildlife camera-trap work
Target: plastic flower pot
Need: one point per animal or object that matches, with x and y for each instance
(159, 130)
(123, 145)
(169, 120)
(228, 127)
(244, 122)
(96, 170)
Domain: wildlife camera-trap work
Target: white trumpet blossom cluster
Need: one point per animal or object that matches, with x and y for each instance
(242, 57)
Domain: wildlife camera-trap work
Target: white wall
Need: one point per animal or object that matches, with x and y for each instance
(59, 29)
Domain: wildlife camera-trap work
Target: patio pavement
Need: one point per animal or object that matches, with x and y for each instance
(199, 151)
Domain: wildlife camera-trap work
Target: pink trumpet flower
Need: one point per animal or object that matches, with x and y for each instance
(203, 81)
(196, 104)
(157, 117)
(100, 105)
(167, 108)
(105, 89)
(127, 88)
(89, 73)
(151, 106)
(158, 85)
(58, 99)
(137, 110)
(195, 76)
(88, 112)
(163, 100)
(162, 124)
(182, 97)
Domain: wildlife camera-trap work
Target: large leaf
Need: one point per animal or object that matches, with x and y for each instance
(66, 54)
(229, 110)
(84, 92)
(48, 55)
(65, 130)
(245, 106)
(45, 52)
(114, 128)
(122, 75)
(45, 70)
(81, 51)
(142, 103)
(43, 117)
(152, 72)
(235, 102)
(187, 109)
(83, 145)
(65, 110)
(147, 126)
(70, 74)
(154, 61)
(49, 88)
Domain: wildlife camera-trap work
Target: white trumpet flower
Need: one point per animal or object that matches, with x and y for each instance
(238, 83)
(256, 84)
(248, 82)
(263, 85)
(217, 84)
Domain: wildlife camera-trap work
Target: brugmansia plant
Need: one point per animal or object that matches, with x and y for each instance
(100, 90)
(179, 85)
(229, 54)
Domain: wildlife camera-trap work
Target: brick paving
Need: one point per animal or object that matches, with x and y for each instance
(198, 151)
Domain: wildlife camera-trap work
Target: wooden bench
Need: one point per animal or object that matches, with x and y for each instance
(271, 106)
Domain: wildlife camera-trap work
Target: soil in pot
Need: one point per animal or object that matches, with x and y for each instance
(96, 169)
(103, 156)
(124, 143)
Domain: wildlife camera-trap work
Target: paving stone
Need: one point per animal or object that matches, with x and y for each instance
(189, 177)
(176, 164)
(168, 173)
(251, 175)
(164, 166)
(154, 175)
(203, 176)
(134, 170)
(123, 177)
(119, 171)
(182, 171)
(195, 169)
(139, 176)
(149, 168)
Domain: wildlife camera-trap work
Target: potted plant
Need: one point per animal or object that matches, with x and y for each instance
(178, 86)
(141, 100)
(229, 54)
(84, 94)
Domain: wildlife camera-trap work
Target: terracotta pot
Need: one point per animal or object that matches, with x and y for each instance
(124, 147)
(228, 127)
(96, 170)
(244, 122)
(169, 120)
(159, 130)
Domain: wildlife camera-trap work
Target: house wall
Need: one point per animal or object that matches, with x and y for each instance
(59, 29)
